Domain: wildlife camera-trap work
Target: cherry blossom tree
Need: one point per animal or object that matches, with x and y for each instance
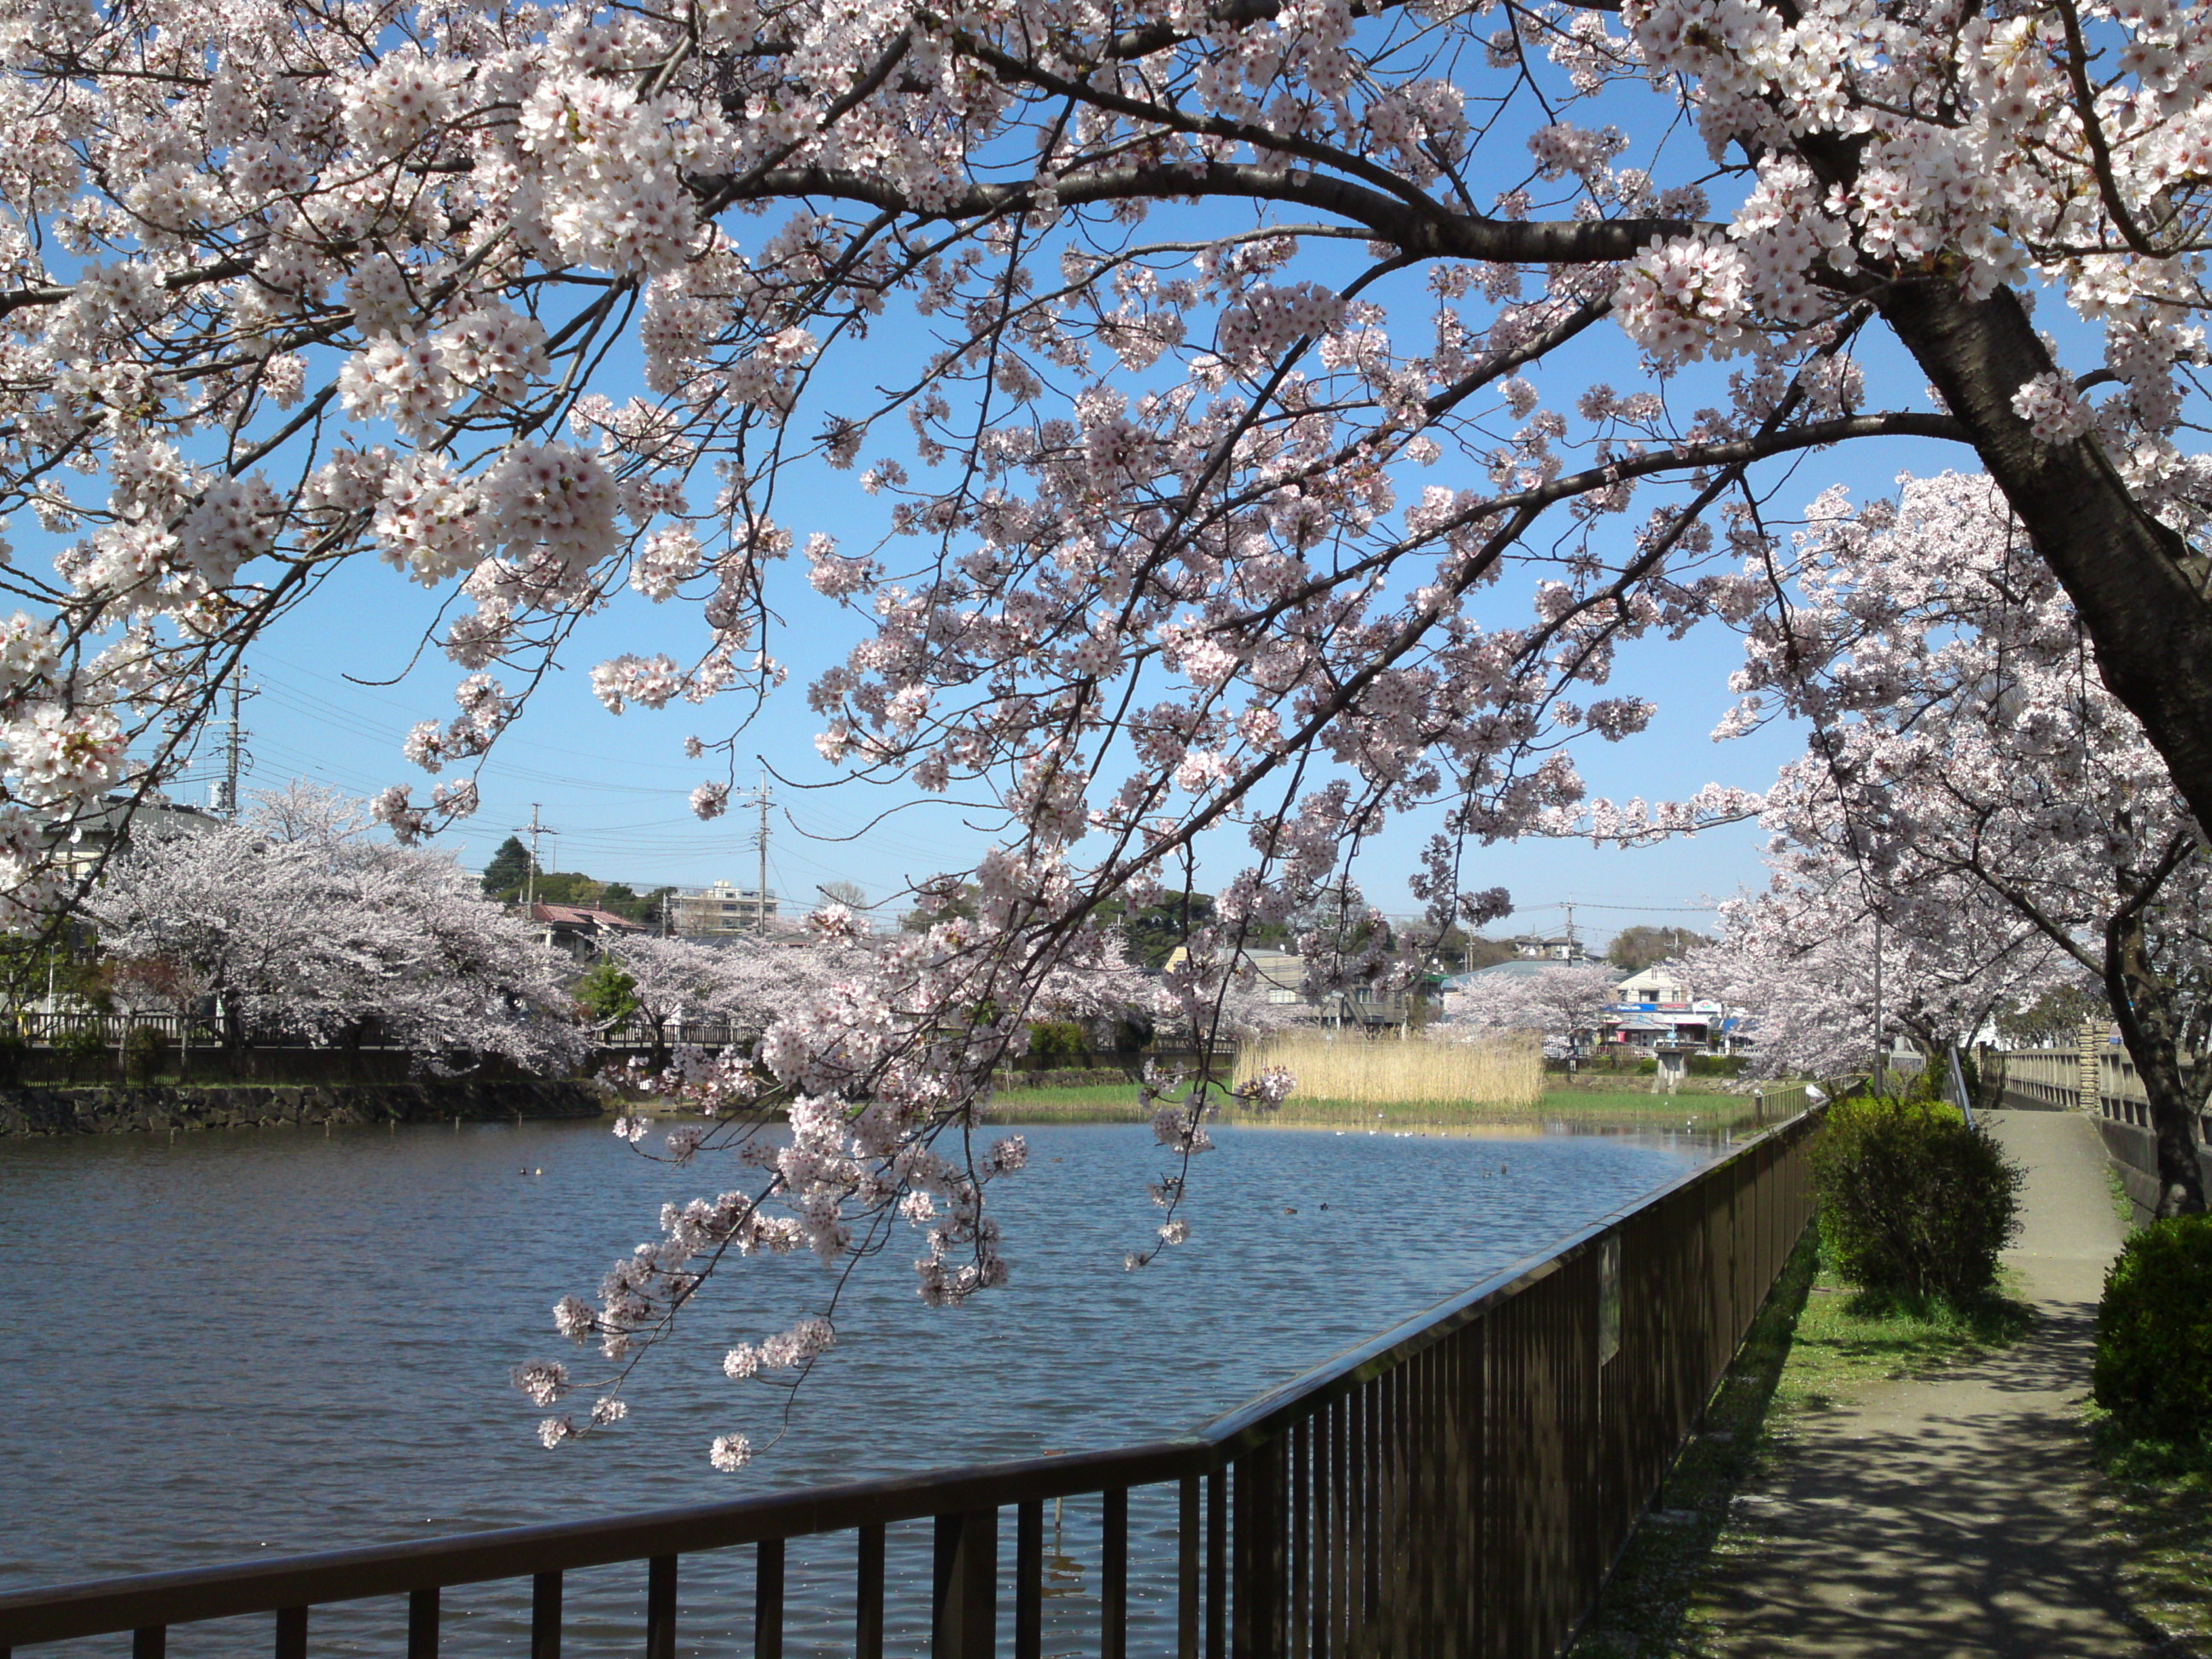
(1799, 962)
(1966, 755)
(670, 978)
(303, 924)
(1563, 1002)
(1213, 361)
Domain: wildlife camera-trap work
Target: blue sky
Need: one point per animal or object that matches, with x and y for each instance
(341, 679)
(616, 788)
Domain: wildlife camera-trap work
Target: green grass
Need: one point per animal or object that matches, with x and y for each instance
(1652, 1605)
(2122, 1206)
(1118, 1103)
(1846, 1339)
(1630, 1083)
(1406, 1117)
(1095, 1102)
(1815, 1342)
(2153, 1511)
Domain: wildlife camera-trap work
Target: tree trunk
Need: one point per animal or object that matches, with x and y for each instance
(2141, 1006)
(2139, 589)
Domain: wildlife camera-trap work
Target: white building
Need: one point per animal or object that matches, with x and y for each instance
(1281, 979)
(720, 911)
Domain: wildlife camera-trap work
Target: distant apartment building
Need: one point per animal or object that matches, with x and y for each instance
(722, 911)
(1532, 947)
(79, 843)
(1280, 976)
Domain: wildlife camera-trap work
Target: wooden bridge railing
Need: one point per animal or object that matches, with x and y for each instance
(1459, 1485)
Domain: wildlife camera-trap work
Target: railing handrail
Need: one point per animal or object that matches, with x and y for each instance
(98, 1606)
(1314, 1385)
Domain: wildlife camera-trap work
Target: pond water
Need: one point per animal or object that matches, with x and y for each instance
(222, 1344)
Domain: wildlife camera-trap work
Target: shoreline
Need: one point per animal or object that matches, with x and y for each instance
(37, 1111)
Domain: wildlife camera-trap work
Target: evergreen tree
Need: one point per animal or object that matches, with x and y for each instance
(1637, 948)
(508, 869)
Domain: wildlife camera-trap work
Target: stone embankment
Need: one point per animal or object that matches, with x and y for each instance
(112, 1110)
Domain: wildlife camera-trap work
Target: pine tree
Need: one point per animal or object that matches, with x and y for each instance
(508, 869)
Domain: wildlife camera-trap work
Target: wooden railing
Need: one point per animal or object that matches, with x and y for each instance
(1776, 1103)
(1460, 1485)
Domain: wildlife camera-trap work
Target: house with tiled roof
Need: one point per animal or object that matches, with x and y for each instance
(579, 930)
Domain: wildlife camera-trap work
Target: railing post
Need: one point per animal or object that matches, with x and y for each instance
(1114, 1575)
(1029, 1582)
(768, 1599)
(868, 1615)
(1257, 1614)
(1217, 1564)
(965, 1622)
(660, 1608)
(423, 1627)
(545, 1616)
(1187, 1553)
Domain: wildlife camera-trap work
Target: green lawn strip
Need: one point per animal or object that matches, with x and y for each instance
(1815, 1344)
(1092, 1103)
(1633, 1086)
(1652, 1603)
(1118, 1102)
(2153, 1511)
(1845, 1339)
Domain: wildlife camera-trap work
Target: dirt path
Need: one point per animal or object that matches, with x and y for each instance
(1946, 1518)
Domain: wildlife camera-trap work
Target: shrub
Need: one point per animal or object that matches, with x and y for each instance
(2153, 1369)
(145, 1054)
(79, 1047)
(1718, 1065)
(1913, 1203)
(1057, 1043)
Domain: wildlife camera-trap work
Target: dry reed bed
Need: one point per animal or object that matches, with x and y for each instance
(1348, 1069)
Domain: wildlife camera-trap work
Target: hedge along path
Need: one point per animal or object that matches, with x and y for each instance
(1950, 1517)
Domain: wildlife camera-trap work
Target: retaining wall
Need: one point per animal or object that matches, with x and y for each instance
(2134, 1152)
(32, 1111)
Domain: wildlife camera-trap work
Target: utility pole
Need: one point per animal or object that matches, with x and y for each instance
(760, 893)
(226, 801)
(533, 830)
(1569, 907)
(1879, 1037)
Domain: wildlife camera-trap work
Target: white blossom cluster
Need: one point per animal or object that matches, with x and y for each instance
(1197, 519)
(300, 924)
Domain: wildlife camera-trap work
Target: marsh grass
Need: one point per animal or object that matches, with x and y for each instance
(1387, 1072)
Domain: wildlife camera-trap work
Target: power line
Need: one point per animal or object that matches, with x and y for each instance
(1571, 905)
